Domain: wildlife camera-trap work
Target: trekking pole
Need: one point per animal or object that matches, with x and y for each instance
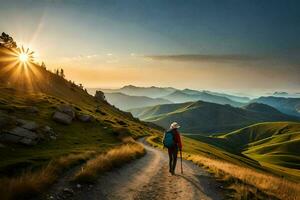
(181, 161)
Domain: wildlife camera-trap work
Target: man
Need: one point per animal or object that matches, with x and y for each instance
(173, 142)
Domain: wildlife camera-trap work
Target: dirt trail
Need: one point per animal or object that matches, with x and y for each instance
(148, 178)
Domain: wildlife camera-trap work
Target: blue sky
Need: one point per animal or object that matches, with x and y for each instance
(161, 30)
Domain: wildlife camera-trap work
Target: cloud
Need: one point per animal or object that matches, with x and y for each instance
(206, 58)
(80, 57)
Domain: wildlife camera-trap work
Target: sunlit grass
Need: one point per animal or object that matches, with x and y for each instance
(244, 179)
(31, 183)
(247, 182)
(105, 162)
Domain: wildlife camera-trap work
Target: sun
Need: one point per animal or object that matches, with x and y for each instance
(23, 57)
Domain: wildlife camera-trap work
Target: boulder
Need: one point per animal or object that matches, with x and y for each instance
(85, 118)
(67, 109)
(20, 135)
(29, 125)
(28, 141)
(22, 132)
(61, 117)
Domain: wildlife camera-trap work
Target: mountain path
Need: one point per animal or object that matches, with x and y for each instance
(149, 178)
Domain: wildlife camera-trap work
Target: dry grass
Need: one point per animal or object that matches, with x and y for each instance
(105, 162)
(247, 182)
(33, 183)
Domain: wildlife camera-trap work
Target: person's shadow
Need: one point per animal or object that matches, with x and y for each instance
(207, 188)
(190, 181)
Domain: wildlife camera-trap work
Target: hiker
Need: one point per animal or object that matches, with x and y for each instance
(172, 141)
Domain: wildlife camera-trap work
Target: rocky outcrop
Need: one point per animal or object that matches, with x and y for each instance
(85, 118)
(64, 114)
(99, 96)
(67, 109)
(14, 130)
(20, 135)
(29, 125)
(62, 118)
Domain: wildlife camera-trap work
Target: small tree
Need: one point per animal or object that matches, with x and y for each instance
(7, 41)
(43, 65)
(62, 74)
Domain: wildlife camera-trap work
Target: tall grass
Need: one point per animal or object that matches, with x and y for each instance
(105, 162)
(32, 183)
(246, 181)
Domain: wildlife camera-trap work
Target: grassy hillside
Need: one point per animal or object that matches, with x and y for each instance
(207, 118)
(272, 144)
(125, 102)
(257, 162)
(23, 88)
(289, 106)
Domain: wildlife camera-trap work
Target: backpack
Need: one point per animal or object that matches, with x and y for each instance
(169, 139)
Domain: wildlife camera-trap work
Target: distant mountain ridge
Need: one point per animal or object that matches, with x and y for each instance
(290, 106)
(152, 92)
(125, 102)
(203, 117)
(176, 95)
(181, 97)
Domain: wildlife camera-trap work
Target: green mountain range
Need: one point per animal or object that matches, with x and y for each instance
(207, 118)
(274, 145)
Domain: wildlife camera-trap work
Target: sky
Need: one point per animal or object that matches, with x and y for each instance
(238, 46)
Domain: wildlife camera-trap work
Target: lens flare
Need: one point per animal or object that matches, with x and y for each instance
(23, 57)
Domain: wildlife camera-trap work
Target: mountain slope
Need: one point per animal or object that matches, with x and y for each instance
(269, 143)
(29, 93)
(125, 102)
(204, 117)
(289, 106)
(181, 97)
(271, 146)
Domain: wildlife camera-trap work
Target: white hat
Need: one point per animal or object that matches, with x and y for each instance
(174, 125)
